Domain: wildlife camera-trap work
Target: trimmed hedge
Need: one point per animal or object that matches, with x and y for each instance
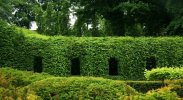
(11, 80)
(176, 86)
(172, 76)
(18, 78)
(20, 46)
(164, 73)
(145, 86)
(160, 94)
(80, 88)
(18, 85)
(46, 87)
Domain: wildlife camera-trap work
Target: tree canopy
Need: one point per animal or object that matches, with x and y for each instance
(97, 17)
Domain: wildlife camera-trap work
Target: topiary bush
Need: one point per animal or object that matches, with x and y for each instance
(21, 46)
(164, 73)
(74, 88)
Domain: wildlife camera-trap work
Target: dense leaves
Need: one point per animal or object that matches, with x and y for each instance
(53, 18)
(17, 84)
(126, 17)
(164, 73)
(80, 88)
(94, 53)
(145, 86)
(97, 17)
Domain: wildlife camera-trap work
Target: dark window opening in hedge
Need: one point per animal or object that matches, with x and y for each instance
(150, 63)
(113, 66)
(75, 66)
(38, 66)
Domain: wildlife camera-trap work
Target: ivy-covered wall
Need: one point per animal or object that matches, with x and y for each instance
(19, 47)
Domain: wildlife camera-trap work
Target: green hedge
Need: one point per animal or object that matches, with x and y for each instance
(11, 80)
(20, 46)
(80, 88)
(157, 95)
(18, 78)
(17, 85)
(145, 86)
(164, 73)
(176, 86)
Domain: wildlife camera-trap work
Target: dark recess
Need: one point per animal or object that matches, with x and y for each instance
(38, 66)
(113, 66)
(150, 63)
(75, 66)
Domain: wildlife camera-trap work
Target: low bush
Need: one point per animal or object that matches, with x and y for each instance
(145, 86)
(176, 86)
(173, 78)
(12, 80)
(80, 88)
(34, 86)
(159, 94)
(16, 78)
(27, 85)
(164, 73)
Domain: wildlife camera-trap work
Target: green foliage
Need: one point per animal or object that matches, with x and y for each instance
(163, 93)
(24, 12)
(144, 86)
(124, 17)
(121, 18)
(20, 85)
(53, 17)
(158, 95)
(175, 27)
(75, 88)
(19, 12)
(176, 86)
(46, 87)
(7, 42)
(21, 46)
(19, 78)
(6, 9)
(13, 80)
(164, 73)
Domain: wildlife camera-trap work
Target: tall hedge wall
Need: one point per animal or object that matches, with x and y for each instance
(19, 47)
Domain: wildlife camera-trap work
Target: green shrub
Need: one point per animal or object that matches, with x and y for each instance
(21, 46)
(157, 96)
(176, 86)
(178, 89)
(12, 80)
(164, 73)
(16, 78)
(163, 93)
(13, 85)
(74, 88)
(144, 86)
